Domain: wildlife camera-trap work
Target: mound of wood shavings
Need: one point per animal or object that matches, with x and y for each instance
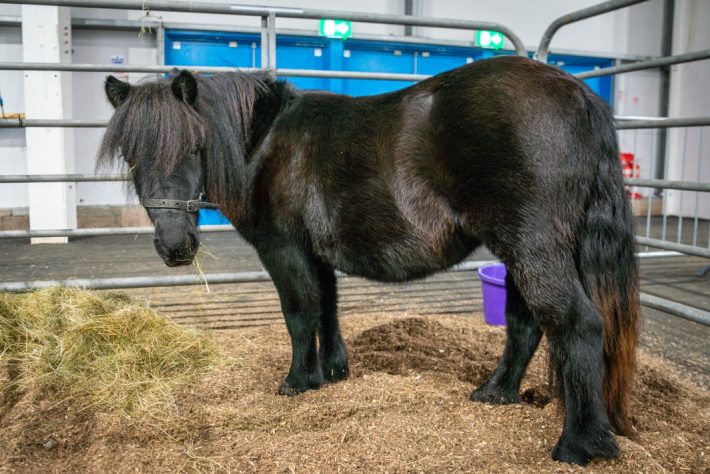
(405, 408)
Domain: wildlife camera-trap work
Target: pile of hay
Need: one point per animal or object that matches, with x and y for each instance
(100, 350)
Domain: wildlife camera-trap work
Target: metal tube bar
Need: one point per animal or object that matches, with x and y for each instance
(624, 123)
(652, 63)
(350, 74)
(544, 48)
(687, 312)
(285, 72)
(22, 66)
(98, 231)
(138, 281)
(667, 184)
(682, 248)
(60, 178)
(130, 25)
(78, 178)
(20, 123)
(662, 253)
(175, 280)
(310, 13)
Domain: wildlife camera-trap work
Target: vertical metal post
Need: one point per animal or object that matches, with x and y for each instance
(650, 192)
(408, 10)
(666, 50)
(682, 193)
(264, 42)
(697, 195)
(160, 44)
(271, 27)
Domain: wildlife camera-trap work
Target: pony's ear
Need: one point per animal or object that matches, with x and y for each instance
(116, 90)
(185, 87)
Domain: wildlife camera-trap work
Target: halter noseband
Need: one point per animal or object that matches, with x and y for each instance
(192, 205)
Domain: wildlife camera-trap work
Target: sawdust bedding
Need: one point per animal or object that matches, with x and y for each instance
(404, 408)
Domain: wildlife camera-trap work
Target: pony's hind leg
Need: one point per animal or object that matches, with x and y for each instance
(551, 287)
(295, 277)
(333, 354)
(523, 337)
(577, 358)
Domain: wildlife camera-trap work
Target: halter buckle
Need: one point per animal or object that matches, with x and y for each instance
(190, 206)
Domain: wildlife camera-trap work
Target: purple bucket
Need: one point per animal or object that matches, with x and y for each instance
(493, 286)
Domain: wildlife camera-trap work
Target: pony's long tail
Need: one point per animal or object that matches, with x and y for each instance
(608, 267)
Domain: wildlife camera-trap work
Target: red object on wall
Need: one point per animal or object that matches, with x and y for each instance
(631, 170)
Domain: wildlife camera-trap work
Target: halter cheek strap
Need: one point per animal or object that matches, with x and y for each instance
(192, 205)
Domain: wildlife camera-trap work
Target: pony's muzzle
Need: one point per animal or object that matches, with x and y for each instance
(175, 246)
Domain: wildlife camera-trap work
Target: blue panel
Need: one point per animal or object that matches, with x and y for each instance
(211, 217)
(303, 53)
(192, 48)
(435, 63)
(376, 57)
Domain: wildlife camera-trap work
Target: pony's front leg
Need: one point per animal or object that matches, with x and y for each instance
(295, 276)
(523, 337)
(333, 354)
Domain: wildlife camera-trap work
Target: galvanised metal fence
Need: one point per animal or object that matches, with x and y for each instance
(268, 17)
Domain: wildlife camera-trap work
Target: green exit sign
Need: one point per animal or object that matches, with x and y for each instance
(335, 28)
(489, 39)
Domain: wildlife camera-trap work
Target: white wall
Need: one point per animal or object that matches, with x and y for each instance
(90, 101)
(12, 141)
(614, 33)
(634, 31)
(638, 94)
(689, 148)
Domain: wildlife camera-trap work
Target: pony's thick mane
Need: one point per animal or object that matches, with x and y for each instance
(157, 130)
(226, 104)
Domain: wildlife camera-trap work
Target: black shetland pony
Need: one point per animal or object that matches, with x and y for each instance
(505, 152)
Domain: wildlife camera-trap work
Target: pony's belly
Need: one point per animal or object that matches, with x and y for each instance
(397, 261)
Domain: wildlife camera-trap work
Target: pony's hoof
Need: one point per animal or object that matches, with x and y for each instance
(581, 448)
(335, 368)
(495, 395)
(288, 390)
(335, 374)
(291, 387)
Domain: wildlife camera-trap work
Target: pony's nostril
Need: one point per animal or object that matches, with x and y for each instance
(159, 247)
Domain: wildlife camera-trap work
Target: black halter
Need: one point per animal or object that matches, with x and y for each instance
(192, 205)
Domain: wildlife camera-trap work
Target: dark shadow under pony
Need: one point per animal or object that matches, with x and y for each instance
(507, 152)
